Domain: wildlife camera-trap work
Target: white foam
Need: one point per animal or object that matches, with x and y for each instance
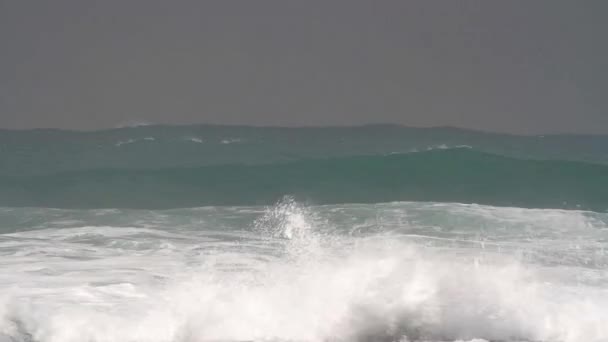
(125, 142)
(195, 140)
(432, 148)
(231, 141)
(447, 147)
(131, 141)
(293, 278)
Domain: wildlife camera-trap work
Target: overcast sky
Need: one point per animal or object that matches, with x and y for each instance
(514, 66)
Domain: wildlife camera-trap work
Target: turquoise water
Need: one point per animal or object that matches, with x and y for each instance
(154, 147)
(168, 167)
(374, 233)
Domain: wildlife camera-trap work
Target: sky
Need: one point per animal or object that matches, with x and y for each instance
(510, 66)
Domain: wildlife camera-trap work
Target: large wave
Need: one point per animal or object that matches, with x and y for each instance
(447, 175)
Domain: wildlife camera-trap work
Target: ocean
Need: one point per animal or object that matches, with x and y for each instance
(234, 233)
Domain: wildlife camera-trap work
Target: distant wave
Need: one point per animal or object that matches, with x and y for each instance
(50, 151)
(231, 141)
(131, 141)
(194, 140)
(447, 175)
(434, 147)
(134, 123)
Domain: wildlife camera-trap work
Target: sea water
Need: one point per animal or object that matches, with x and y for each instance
(447, 238)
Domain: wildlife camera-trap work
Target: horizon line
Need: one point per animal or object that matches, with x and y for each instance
(144, 125)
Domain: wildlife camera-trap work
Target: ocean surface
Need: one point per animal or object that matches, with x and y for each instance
(233, 233)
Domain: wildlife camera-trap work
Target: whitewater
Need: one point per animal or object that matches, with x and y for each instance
(311, 235)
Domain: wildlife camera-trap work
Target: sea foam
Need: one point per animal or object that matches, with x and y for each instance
(295, 273)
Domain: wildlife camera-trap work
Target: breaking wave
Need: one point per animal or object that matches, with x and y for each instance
(290, 275)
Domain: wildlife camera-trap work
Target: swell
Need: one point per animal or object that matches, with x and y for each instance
(40, 152)
(452, 175)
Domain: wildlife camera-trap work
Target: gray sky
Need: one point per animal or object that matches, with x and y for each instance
(514, 66)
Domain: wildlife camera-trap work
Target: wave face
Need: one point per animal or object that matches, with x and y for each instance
(37, 152)
(350, 272)
(445, 175)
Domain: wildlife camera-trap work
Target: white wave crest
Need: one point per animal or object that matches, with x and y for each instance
(131, 141)
(194, 140)
(227, 141)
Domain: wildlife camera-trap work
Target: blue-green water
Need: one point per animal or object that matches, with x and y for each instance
(372, 233)
(189, 166)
